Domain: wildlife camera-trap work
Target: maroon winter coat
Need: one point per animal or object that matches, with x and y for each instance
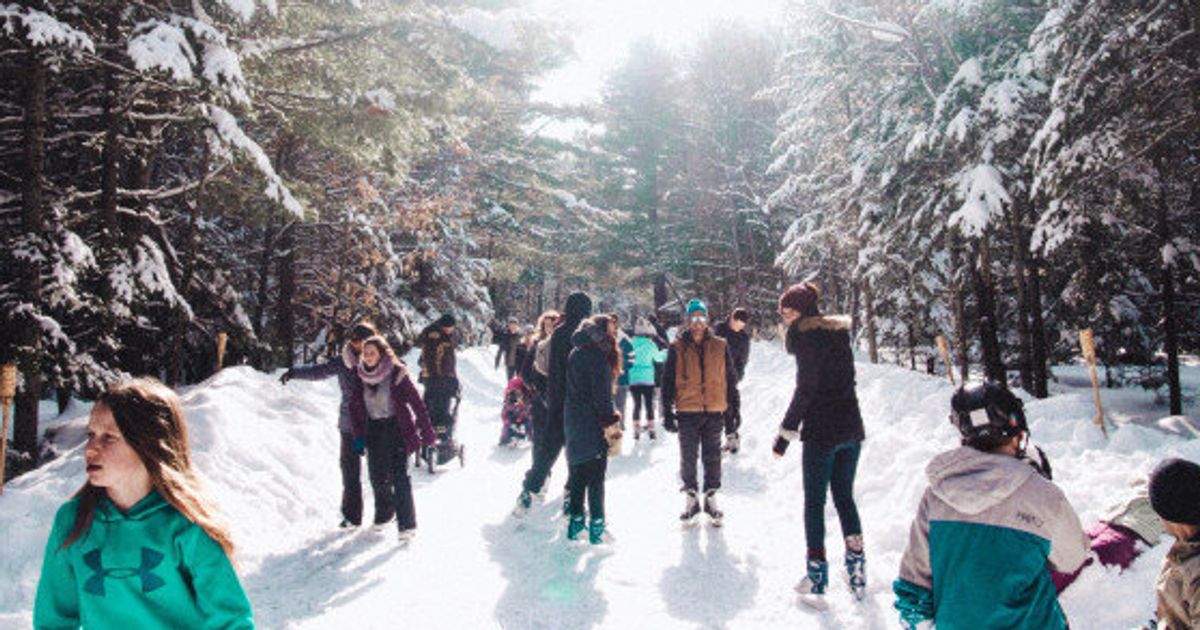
(406, 402)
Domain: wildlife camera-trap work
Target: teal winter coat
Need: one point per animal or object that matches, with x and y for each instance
(645, 354)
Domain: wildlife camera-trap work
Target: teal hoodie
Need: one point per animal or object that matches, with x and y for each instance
(645, 355)
(149, 567)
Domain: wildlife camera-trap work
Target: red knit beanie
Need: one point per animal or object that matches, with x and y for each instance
(801, 298)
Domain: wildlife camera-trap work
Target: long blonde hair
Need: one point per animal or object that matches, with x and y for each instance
(151, 421)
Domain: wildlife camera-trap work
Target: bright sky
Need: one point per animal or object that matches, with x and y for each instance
(604, 29)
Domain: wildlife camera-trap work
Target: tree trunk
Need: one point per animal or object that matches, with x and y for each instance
(264, 280)
(33, 224)
(993, 363)
(285, 323)
(1170, 330)
(1037, 330)
(958, 306)
(868, 299)
(175, 361)
(1020, 248)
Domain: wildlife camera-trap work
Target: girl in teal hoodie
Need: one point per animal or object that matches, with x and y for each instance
(139, 546)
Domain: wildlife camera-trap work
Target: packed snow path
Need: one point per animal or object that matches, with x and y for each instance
(269, 453)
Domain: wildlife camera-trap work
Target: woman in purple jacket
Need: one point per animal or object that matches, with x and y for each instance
(387, 412)
(350, 454)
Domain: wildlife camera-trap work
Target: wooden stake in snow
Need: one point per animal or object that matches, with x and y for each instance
(8, 390)
(222, 338)
(944, 348)
(1088, 344)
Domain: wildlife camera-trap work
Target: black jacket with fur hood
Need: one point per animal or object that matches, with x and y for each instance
(824, 406)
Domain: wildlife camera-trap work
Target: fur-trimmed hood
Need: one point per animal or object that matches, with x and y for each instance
(813, 325)
(823, 322)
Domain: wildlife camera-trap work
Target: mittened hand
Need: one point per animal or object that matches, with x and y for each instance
(360, 445)
(670, 423)
(612, 435)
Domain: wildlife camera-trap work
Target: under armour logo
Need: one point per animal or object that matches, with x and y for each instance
(150, 582)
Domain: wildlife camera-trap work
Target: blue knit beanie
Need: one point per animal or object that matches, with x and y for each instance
(696, 305)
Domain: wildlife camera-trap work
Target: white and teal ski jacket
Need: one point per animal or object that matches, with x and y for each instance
(979, 549)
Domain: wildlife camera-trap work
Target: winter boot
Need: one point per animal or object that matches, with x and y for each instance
(637, 429)
(732, 443)
(650, 428)
(596, 531)
(691, 508)
(715, 515)
(405, 536)
(812, 587)
(856, 566)
(524, 502)
(575, 527)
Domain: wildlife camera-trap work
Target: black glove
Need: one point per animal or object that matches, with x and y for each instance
(1039, 461)
(359, 445)
(285, 377)
(669, 422)
(782, 441)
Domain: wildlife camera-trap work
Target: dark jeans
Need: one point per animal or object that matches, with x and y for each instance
(700, 435)
(387, 466)
(642, 395)
(833, 467)
(587, 477)
(438, 395)
(351, 465)
(545, 451)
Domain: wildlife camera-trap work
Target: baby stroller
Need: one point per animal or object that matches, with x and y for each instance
(446, 449)
(516, 413)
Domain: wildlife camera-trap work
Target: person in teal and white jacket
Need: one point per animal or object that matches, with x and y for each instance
(139, 546)
(988, 528)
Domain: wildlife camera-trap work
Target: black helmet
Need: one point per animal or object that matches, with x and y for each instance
(987, 415)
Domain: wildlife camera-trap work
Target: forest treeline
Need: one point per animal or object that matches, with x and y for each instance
(1003, 173)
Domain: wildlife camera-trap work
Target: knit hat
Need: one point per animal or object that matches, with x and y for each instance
(445, 321)
(696, 305)
(1175, 491)
(801, 298)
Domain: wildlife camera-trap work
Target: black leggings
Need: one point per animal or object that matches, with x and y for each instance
(587, 477)
(643, 393)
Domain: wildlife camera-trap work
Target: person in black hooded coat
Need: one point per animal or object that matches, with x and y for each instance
(577, 308)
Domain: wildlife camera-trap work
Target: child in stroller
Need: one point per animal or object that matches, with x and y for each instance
(516, 413)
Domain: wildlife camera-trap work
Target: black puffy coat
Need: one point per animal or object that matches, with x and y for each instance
(824, 405)
(577, 308)
(588, 405)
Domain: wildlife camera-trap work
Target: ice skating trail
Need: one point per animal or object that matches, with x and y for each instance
(268, 453)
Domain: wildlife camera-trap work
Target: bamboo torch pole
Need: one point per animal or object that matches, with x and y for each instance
(944, 348)
(1088, 344)
(222, 338)
(8, 390)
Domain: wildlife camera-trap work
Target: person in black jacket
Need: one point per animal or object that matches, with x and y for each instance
(439, 374)
(590, 423)
(733, 331)
(576, 309)
(534, 372)
(825, 403)
(508, 341)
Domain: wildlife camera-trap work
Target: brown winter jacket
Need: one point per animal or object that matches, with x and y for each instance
(437, 354)
(1178, 587)
(699, 378)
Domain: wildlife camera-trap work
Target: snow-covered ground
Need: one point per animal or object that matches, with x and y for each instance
(269, 454)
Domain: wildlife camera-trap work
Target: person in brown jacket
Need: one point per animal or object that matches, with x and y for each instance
(1175, 496)
(699, 387)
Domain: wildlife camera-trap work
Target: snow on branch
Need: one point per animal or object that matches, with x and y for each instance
(42, 29)
(982, 192)
(164, 45)
(230, 133)
(883, 31)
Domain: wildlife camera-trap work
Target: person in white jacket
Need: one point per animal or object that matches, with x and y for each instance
(988, 527)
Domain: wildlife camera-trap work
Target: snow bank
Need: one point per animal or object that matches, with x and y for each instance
(269, 454)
